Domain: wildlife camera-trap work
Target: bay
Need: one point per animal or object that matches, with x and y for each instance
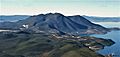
(114, 35)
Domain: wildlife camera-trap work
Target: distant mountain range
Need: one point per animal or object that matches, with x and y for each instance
(58, 23)
(102, 19)
(12, 18)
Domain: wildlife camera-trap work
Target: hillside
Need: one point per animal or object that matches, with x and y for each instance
(43, 45)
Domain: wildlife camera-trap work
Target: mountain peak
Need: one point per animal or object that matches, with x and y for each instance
(55, 13)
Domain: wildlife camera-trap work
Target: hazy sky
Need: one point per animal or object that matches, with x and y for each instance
(67, 7)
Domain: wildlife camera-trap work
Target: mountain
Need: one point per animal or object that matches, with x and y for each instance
(102, 19)
(12, 18)
(56, 22)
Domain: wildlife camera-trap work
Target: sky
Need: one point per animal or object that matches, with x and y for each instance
(67, 7)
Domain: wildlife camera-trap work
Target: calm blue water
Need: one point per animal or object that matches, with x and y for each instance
(115, 36)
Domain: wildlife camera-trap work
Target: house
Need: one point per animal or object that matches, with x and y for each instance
(97, 47)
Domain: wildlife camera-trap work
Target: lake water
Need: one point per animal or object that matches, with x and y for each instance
(114, 35)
